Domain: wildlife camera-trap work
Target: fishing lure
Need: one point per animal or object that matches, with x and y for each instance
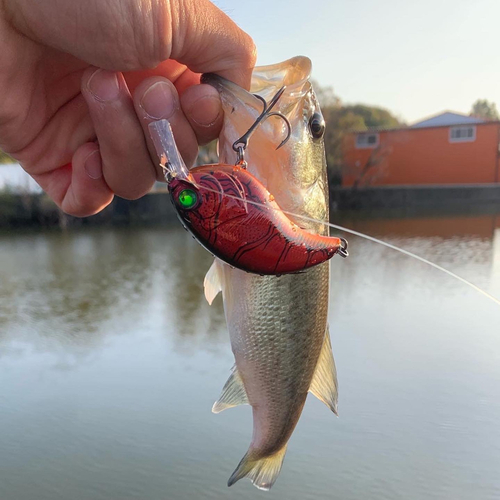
(232, 214)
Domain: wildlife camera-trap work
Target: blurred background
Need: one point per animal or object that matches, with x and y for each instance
(110, 358)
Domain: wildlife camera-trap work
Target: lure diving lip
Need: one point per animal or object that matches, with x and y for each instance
(235, 218)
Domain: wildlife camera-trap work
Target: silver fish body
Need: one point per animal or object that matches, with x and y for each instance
(277, 325)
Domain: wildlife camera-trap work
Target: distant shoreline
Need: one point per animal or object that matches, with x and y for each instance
(14, 179)
(28, 210)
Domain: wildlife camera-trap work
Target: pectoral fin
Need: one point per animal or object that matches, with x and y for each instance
(233, 393)
(324, 383)
(213, 281)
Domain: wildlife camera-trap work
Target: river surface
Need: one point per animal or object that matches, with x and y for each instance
(110, 361)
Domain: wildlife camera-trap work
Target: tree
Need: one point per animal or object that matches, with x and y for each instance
(342, 119)
(482, 108)
(369, 171)
(326, 95)
(374, 117)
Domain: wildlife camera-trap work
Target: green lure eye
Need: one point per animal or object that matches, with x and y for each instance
(187, 198)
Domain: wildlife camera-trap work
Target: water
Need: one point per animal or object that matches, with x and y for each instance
(110, 361)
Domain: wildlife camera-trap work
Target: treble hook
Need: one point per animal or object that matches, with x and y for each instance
(241, 144)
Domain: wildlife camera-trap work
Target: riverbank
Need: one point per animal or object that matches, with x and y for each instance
(28, 210)
(444, 197)
(31, 209)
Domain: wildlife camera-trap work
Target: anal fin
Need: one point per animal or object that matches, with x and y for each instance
(324, 384)
(213, 281)
(233, 393)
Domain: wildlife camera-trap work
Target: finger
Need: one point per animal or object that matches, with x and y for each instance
(185, 80)
(203, 109)
(88, 192)
(201, 104)
(58, 140)
(155, 99)
(126, 164)
(140, 34)
(78, 188)
(176, 72)
(208, 41)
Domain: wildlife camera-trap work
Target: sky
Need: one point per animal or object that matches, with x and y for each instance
(415, 59)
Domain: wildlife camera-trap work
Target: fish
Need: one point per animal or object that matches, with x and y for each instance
(277, 325)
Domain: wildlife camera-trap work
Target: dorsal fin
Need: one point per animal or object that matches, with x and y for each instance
(324, 383)
(233, 393)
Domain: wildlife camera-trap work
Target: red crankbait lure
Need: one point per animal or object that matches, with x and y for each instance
(259, 239)
(234, 217)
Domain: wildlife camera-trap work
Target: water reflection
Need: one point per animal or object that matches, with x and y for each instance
(65, 288)
(464, 245)
(194, 317)
(62, 288)
(72, 289)
(110, 360)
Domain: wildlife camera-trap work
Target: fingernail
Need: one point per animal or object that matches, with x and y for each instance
(206, 110)
(103, 85)
(159, 101)
(93, 165)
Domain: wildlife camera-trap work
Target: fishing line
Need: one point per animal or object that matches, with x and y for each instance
(361, 235)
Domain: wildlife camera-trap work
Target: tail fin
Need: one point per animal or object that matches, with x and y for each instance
(263, 472)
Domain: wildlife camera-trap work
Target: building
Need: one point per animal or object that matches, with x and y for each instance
(449, 148)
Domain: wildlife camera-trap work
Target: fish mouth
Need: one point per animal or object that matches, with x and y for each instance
(242, 107)
(220, 83)
(266, 80)
(231, 94)
(287, 172)
(293, 73)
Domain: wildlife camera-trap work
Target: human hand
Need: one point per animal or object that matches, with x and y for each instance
(76, 129)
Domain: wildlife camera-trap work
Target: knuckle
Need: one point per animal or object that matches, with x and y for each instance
(133, 193)
(248, 50)
(134, 42)
(146, 58)
(131, 63)
(75, 208)
(131, 188)
(243, 51)
(148, 35)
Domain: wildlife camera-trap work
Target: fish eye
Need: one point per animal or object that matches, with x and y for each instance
(317, 125)
(187, 199)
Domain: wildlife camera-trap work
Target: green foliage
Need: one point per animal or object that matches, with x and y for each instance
(5, 158)
(483, 108)
(343, 119)
(373, 117)
(325, 95)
